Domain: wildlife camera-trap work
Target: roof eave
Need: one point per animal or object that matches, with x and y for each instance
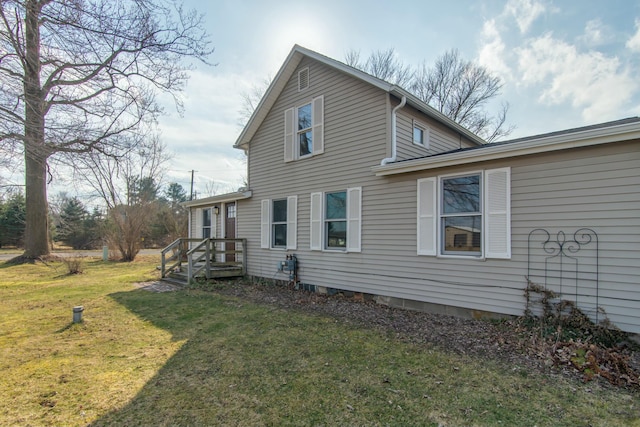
(289, 66)
(221, 198)
(490, 152)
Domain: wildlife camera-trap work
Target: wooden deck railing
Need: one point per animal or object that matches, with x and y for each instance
(208, 257)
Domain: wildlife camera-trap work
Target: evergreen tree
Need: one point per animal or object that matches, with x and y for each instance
(77, 228)
(12, 220)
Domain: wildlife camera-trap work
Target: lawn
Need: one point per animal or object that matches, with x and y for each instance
(194, 357)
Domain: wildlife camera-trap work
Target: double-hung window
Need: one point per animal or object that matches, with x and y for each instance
(465, 215)
(279, 224)
(304, 130)
(336, 220)
(461, 215)
(278, 221)
(305, 134)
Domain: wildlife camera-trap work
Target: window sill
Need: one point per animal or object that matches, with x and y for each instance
(455, 256)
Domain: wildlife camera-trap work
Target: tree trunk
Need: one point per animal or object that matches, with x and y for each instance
(36, 238)
(36, 235)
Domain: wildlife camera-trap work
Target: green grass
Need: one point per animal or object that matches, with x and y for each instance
(197, 358)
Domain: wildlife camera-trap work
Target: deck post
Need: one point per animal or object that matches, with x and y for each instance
(207, 262)
(244, 257)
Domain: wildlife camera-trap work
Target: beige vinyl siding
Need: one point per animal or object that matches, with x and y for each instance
(441, 139)
(590, 187)
(355, 138)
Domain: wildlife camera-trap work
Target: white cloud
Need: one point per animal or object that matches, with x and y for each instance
(634, 42)
(590, 81)
(492, 50)
(595, 33)
(525, 12)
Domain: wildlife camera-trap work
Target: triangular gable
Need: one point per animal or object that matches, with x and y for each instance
(291, 64)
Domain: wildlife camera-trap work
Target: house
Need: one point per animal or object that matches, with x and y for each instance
(376, 192)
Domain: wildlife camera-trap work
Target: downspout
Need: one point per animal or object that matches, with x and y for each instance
(394, 136)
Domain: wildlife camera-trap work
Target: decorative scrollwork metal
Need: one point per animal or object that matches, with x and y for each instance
(569, 266)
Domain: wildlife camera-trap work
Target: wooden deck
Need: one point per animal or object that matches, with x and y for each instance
(186, 259)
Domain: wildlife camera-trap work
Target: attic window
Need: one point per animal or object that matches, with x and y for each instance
(303, 79)
(420, 134)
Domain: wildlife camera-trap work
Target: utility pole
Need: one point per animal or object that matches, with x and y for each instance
(191, 193)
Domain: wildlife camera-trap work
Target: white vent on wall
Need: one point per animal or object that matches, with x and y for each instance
(303, 79)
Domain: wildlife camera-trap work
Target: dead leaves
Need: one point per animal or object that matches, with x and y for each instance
(592, 360)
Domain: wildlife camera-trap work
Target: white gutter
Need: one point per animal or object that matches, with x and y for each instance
(394, 133)
(221, 198)
(544, 144)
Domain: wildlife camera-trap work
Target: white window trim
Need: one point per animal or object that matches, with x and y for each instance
(272, 223)
(291, 139)
(495, 219)
(353, 219)
(439, 216)
(266, 223)
(297, 132)
(426, 134)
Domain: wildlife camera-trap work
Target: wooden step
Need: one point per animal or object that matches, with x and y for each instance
(174, 281)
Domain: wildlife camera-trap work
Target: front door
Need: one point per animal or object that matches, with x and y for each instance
(230, 230)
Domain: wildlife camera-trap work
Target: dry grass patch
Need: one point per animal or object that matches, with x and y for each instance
(194, 357)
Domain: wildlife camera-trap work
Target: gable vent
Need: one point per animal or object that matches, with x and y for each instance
(303, 79)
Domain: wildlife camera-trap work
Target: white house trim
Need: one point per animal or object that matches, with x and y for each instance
(542, 144)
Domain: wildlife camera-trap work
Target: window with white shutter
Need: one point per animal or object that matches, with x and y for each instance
(336, 220)
(304, 130)
(278, 223)
(465, 215)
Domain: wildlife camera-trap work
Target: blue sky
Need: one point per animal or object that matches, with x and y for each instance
(564, 63)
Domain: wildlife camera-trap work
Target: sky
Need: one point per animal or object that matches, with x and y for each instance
(564, 64)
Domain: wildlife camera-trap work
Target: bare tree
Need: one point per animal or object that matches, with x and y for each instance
(128, 186)
(461, 91)
(251, 98)
(79, 76)
(383, 64)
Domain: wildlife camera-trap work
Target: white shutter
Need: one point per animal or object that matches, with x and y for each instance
(289, 135)
(197, 233)
(315, 243)
(497, 218)
(427, 217)
(265, 224)
(354, 222)
(292, 222)
(317, 113)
